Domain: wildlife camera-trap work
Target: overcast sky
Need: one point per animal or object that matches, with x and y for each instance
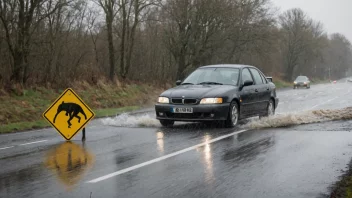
(336, 15)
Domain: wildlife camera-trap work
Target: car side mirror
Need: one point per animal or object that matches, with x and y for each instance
(248, 83)
(178, 82)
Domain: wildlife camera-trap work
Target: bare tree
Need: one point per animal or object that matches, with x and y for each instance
(132, 12)
(178, 22)
(296, 27)
(19, 28)
(338, 57)
(57, 42)
(111, 9)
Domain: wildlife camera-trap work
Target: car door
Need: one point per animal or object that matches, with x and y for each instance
(261, 96)
(246, 94)
(267, 90)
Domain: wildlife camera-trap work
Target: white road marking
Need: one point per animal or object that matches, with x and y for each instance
(6, 147)
(162, 158)
(33, 142)
(324, 102)
(330, 100)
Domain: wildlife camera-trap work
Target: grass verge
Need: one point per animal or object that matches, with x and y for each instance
(281, 83)
(100, 113)
(343, 188)
(21, 109)
(39, 124)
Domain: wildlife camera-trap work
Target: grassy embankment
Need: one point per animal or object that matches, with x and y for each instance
(21, 109)
(279, 83)
(343, 187)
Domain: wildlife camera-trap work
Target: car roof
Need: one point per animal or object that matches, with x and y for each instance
(227, 66)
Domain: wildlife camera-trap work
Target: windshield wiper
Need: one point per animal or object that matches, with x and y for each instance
(210, 83)
(187, 84)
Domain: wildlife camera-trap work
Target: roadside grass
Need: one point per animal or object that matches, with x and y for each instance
(100, 113)
(21, 126)
(281, 83)
(343, 187)
(315, 81)
(21, 109)
(39, 124)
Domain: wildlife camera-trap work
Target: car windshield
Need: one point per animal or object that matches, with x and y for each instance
(301, 78)
(214, 76)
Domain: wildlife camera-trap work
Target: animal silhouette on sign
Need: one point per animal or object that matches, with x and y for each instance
(72, 110)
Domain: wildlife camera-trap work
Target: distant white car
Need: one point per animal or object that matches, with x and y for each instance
(349, 80)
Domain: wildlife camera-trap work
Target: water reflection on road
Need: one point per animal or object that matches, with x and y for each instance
(69, 161)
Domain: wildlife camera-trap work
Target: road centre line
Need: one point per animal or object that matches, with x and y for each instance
(33, 142)
(6, 147)
(162, 158)
(329, 100)
(324, 103)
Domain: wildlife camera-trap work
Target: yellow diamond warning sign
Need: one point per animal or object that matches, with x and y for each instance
(68, 114)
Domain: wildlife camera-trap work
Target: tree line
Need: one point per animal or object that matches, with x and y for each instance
(57, 42)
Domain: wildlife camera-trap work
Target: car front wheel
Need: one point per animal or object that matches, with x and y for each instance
(167, 123)
(270, 110)
(233, 116)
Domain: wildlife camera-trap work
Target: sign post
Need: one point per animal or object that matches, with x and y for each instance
(69, 114)
(84, 134)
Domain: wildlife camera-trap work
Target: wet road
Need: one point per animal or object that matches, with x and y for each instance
(189, 160)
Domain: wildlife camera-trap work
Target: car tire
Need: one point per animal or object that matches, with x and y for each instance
(232, 118)
(270, 111)
(294, 87)
(167, 123)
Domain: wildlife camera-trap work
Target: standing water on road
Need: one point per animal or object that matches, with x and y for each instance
(323, 102)
(305, 117)
(280, 120)
(127, 120)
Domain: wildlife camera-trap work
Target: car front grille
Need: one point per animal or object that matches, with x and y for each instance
(189, 101)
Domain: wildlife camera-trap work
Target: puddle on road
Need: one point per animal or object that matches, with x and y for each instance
(282, 120)
(305, 117)
(69, 162)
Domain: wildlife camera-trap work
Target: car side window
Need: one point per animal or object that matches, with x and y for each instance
(246, 75)
(265, 81)
(258, 79)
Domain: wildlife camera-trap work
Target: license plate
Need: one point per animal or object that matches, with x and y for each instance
(182, 110)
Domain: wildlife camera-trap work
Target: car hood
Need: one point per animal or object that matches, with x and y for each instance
(198, 91)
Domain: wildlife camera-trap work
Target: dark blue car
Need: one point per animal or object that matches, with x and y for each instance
(224, 93)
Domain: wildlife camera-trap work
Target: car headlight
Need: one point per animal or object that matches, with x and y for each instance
(163, 100)
(305, 83)
(211, 101)
(295, 82)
